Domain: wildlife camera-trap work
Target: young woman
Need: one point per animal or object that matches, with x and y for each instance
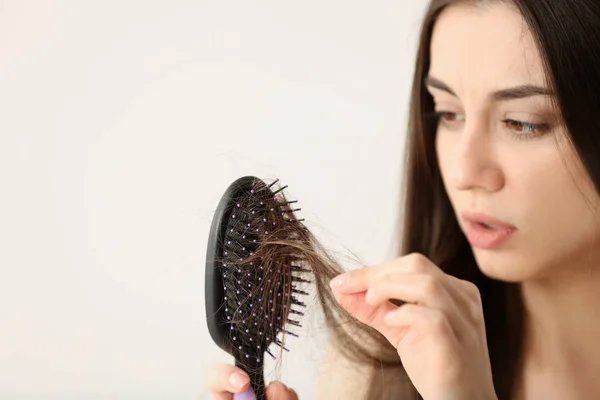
(497, 294)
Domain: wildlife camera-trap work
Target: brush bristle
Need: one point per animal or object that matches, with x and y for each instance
(261, 273)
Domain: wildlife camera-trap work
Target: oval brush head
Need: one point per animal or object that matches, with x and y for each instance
(254, 270)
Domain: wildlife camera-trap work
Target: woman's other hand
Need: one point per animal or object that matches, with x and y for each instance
(439, 332)
(225, 380)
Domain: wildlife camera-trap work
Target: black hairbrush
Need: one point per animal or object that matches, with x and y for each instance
(253, 272)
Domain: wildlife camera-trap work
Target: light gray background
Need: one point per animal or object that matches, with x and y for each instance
(122, 122)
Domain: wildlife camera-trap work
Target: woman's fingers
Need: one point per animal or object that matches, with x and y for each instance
(410, 321)
(438, 329)
(370, 315)
(225, 379)
(356, 305)
(366, 293)
(359, 280)
(437, 285)
(278, 391)
(424, 289)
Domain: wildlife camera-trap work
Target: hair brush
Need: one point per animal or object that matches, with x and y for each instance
(253, 275)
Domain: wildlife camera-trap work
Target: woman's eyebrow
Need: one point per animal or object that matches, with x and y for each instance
(517, 92)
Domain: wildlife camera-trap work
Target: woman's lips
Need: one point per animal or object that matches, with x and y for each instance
(486, 232)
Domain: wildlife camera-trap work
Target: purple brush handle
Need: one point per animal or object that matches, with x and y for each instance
(248, 394)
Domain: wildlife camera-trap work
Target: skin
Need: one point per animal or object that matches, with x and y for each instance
(510, 159)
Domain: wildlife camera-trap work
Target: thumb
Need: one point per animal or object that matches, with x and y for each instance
(278, 391)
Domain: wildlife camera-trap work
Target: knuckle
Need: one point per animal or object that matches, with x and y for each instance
(431, 286)
(417, 262)
(472, 290)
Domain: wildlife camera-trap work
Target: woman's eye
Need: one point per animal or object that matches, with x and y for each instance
(445, 116)
(525, 129)
(519, 129)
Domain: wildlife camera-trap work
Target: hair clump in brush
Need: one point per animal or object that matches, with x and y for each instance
(263, 272)
(271, 261)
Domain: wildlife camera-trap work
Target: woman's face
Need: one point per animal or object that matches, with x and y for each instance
(504, 152)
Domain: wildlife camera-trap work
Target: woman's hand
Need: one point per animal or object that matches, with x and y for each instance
(225, 380)
(439, 333)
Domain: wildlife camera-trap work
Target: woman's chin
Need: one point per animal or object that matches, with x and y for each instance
(502, 266)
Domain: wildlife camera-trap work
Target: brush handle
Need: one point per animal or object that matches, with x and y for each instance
(247, 395)
(256, 390)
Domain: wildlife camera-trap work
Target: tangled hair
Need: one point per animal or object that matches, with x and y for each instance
(289, 253)
(267, 260)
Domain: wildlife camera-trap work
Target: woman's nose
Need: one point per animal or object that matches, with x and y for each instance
(477, 166)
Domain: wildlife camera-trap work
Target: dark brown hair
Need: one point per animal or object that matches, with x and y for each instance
(567, 33)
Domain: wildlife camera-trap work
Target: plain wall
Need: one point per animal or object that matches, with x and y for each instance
(121, 124)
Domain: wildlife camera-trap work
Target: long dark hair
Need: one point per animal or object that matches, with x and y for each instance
(567, 33)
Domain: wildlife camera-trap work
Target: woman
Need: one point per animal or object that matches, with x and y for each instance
(501, 265)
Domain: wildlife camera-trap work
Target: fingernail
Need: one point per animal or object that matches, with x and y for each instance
(339, 281)
(239, 379)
